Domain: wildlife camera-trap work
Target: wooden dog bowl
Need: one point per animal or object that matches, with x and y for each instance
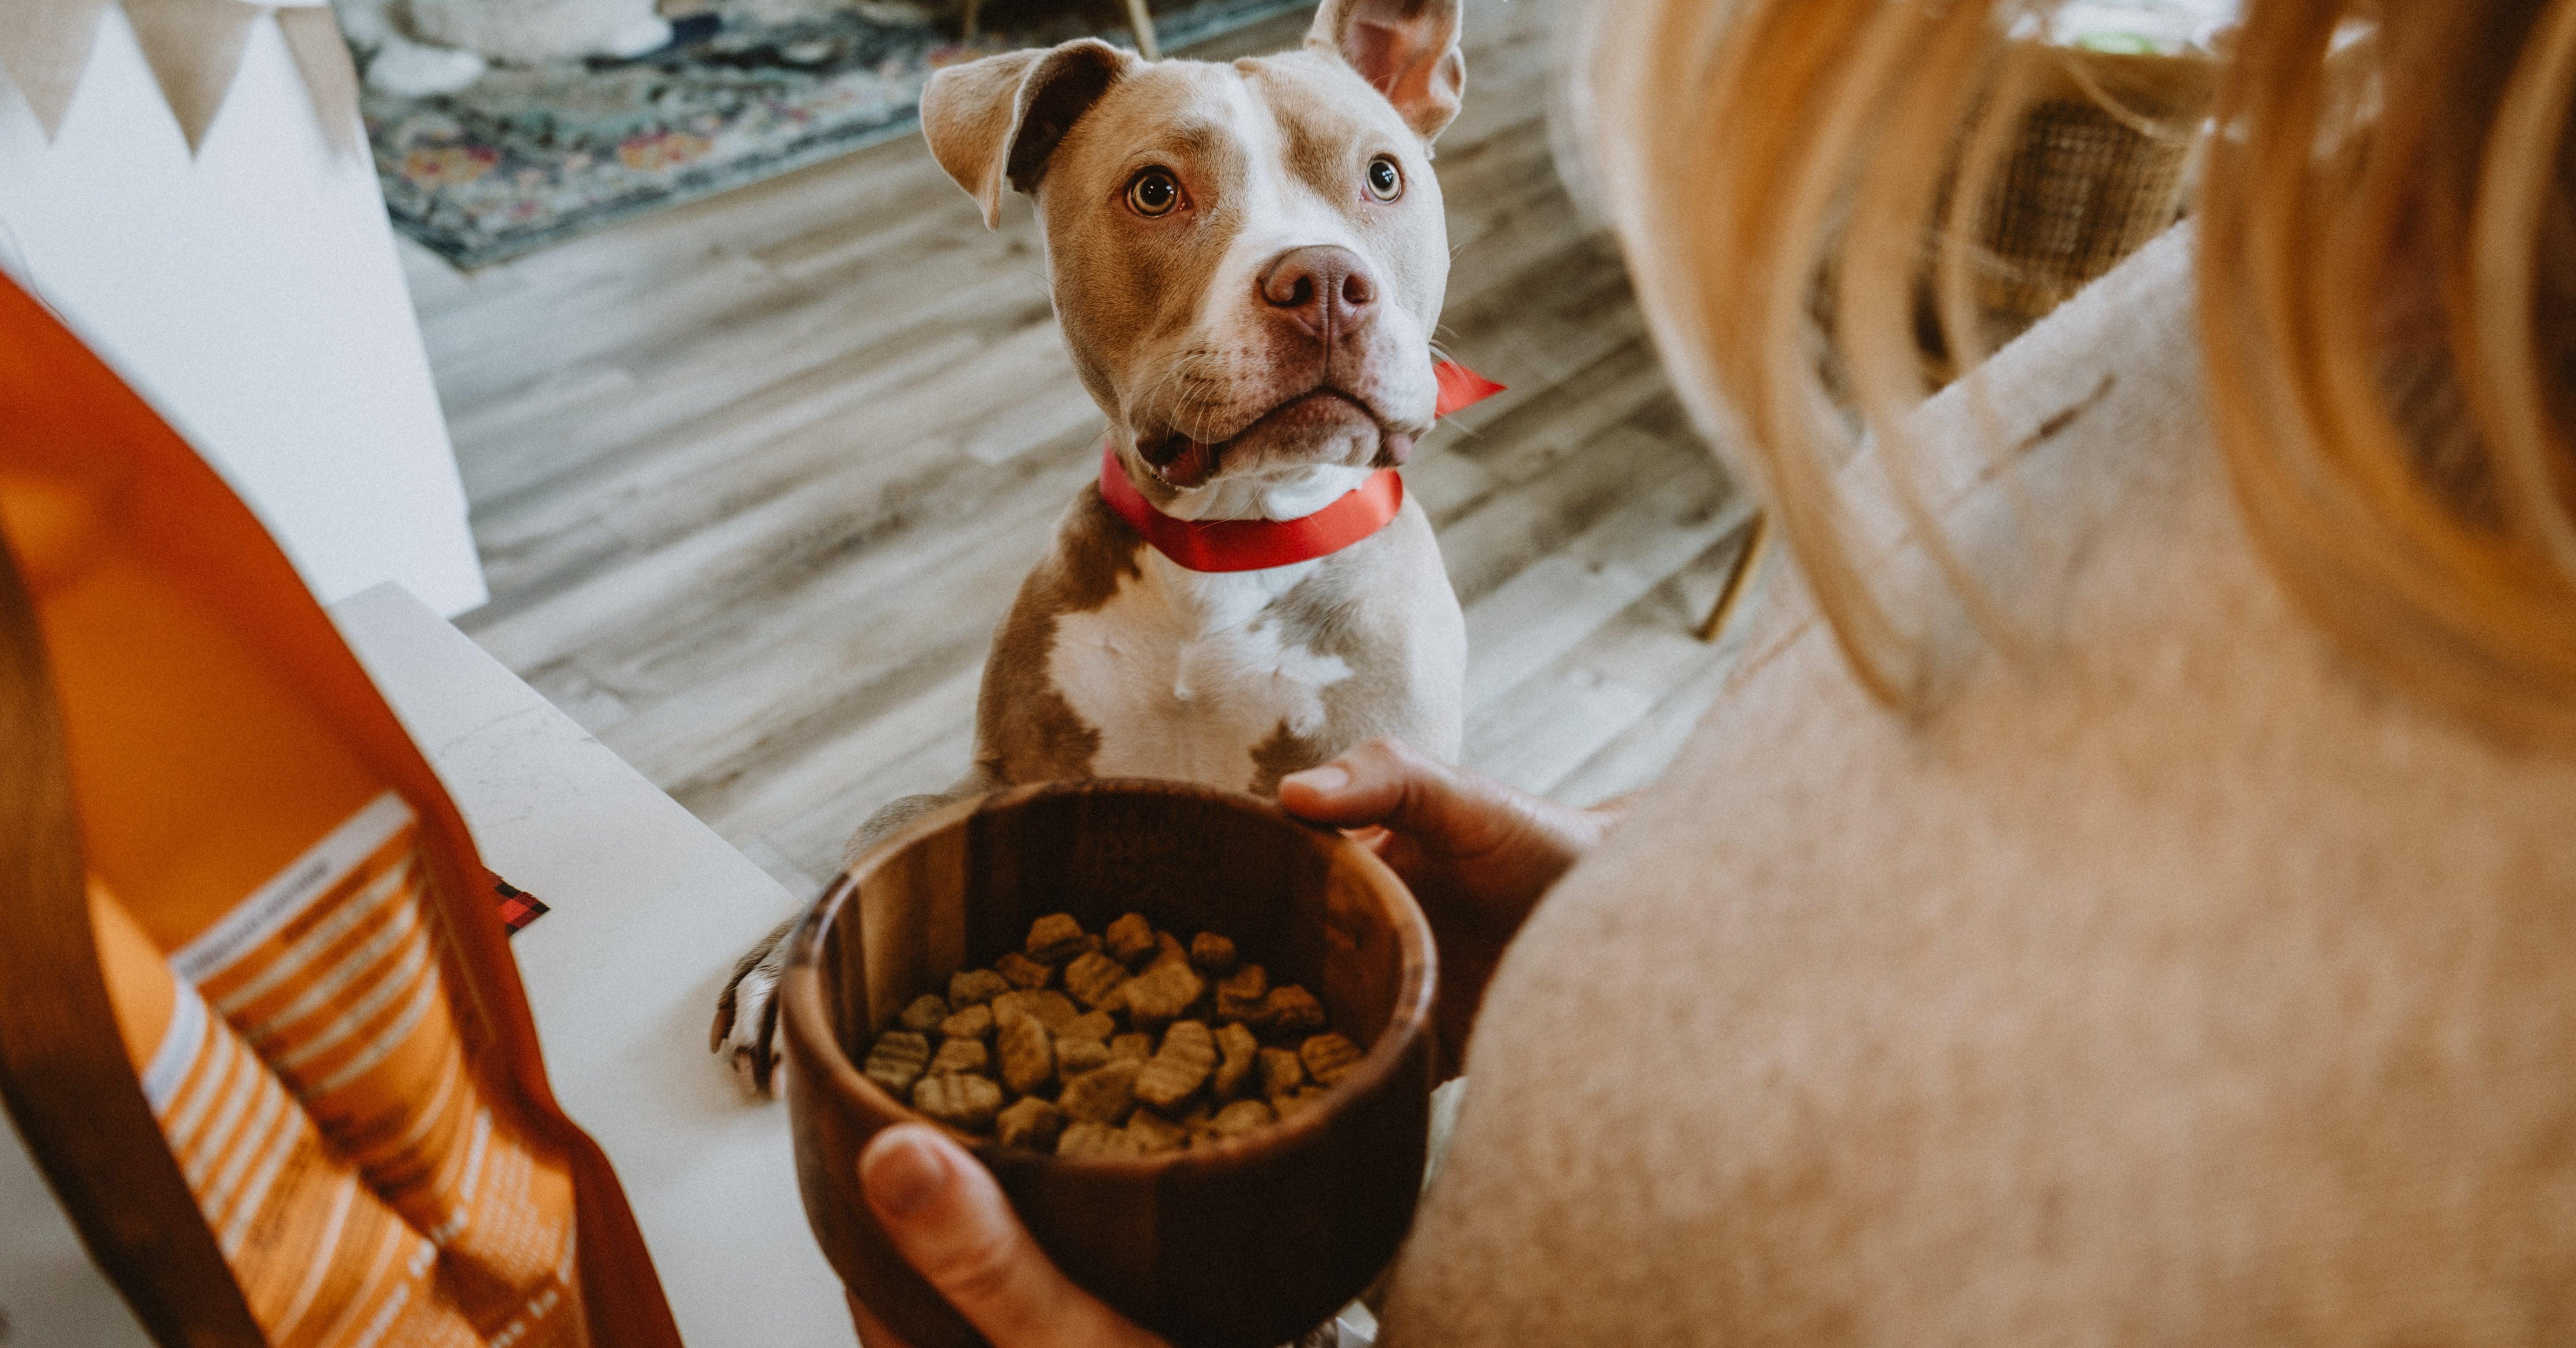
(1243, 1244)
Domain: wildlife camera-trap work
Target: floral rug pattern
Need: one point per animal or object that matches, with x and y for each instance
(530, 156)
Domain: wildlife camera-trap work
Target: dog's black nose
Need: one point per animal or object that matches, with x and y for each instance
(1324, 289)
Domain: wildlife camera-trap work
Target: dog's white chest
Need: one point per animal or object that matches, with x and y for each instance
(1185, 674)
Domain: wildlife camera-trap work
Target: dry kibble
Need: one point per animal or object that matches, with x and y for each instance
(1281, 1073)
(1073, 1057)
(1161, 995)
(923, 1015)
(1022, 972)
(1092, 978)
(1128, 940)
(1052, 1009)
(1329, 1057)
(1027, 1054)
(1090, 1025)
(1152, 1132)
(1292, 1011)
(1055, 938)
(1179, 1067)
(1243, 1116)
(1094, 1139)
(1101, 1095)
(1061, 1048)
(1030, 1123)
(959, 1099)
(897, 1060)
(974, 1022)
(961, 1055)
(975, 986)
(1212, 952)
(1244, 995)
(1237, 1054)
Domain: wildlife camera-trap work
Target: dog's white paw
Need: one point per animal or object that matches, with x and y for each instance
(745, 1034)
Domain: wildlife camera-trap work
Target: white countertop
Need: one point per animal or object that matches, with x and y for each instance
(649, 909)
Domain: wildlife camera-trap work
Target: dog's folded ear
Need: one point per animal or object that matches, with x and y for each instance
(992, 123)
(1407, 48)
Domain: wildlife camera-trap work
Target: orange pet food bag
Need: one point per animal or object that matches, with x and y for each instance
(261, 1029)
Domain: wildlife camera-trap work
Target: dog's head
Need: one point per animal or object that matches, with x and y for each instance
(1248, 259)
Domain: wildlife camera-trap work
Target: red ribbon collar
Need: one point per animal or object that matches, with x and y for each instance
(1257, 545)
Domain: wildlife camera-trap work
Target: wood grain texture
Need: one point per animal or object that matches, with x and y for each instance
(1241, 1244)
(754, 479)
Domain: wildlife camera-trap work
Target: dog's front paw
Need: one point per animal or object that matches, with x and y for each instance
(746, 1029)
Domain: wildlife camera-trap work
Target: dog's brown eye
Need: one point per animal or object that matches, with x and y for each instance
(1153, 191)
(1385, 180)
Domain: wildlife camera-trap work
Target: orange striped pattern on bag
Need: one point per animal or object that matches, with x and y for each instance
(322, 1261)
(315, 1010)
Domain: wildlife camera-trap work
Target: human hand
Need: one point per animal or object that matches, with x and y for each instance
(949, 1220)
(1477, 853)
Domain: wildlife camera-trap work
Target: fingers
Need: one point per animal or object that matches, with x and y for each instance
(948, 1218)
(1449, 811)
(1386, 783)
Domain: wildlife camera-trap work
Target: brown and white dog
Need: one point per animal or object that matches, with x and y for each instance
(1248, 261)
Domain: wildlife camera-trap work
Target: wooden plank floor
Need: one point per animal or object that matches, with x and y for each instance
(754, 479)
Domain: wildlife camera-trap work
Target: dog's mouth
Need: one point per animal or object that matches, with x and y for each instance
(1320, 426)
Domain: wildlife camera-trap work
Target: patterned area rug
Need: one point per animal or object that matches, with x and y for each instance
(531, 156)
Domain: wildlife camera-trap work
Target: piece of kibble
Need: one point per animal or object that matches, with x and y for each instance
(1091, 978)
(1052, 1009)
(1244, 995)
(1154, 1133)
(974, 1022)
(959, 1099)
(1090, 1025)
(1161, 995)
(1094, 1139)
(1073, 1057)
(1211, 952)
(972, 987)
(1329, 1057)
(1167, 950)
(1243, 1116)
(1027, 1054)
(924, 1014)
(1102, 1095)
(1238, 1053)
(1134, 1048)
(1281, 1073)
(1291, 1011)
(961, 1055)
(1054, 938)
(897, 1060)
(1304, 1096)
(1023, 972)
(1128, 940)
(1179, 1067)
(1030, 1123)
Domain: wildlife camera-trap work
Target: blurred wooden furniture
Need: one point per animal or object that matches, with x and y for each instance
(1138, 18)
(2102, 165)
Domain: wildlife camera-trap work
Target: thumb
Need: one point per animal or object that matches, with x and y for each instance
(1389, 784)
(950, 1221)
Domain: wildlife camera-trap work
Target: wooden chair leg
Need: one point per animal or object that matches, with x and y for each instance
(1143, 23)
(1757, 543)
